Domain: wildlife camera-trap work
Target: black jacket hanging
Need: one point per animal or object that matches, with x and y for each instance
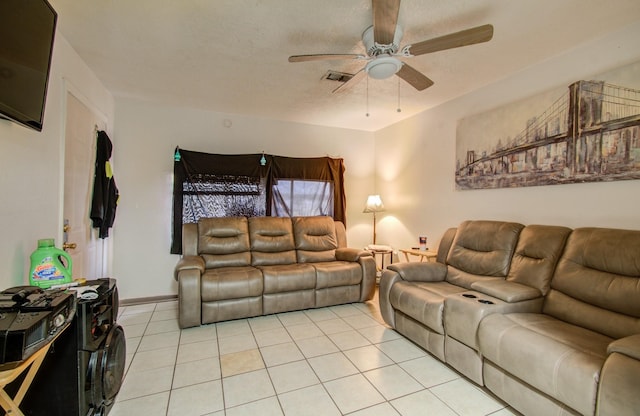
(105, 191)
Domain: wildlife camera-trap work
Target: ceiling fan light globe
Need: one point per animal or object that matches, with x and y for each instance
(383, 67)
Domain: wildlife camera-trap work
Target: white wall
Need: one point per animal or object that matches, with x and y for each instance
(31, 166)
(415, 159)
(414, 162)
(146, 136)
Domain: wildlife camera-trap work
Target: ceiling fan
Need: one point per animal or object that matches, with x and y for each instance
(382, 43)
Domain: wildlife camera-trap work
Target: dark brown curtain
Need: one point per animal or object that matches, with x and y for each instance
(319, 168)
(189, 167)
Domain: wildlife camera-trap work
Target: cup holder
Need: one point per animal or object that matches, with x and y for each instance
(472, 296)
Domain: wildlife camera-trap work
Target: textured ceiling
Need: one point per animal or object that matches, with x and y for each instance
(230, 56)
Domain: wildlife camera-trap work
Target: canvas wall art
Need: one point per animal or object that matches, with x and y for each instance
(586, 132)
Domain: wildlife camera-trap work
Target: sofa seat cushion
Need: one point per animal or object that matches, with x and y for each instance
(337, 273)
(288, 277)
(423, 302)
(559, 359)
(231, 283)
(467, 280)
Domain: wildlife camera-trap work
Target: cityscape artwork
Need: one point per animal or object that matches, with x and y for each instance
(587, 132)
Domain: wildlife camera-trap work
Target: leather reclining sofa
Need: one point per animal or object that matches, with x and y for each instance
(545, 317)
(242, 267)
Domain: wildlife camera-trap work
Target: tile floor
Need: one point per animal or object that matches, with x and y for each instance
(339, 360)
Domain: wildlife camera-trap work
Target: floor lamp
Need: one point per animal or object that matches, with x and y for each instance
(374, 204)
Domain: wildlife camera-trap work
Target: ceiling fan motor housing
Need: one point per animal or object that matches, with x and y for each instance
(375, 49)
(383, 64)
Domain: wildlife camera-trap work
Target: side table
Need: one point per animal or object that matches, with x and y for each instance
(382, 251)
(423, 254)
(33, 363)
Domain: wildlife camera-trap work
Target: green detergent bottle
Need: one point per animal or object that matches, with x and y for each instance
(50, 266)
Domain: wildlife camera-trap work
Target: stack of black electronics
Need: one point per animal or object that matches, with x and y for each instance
(29, 319)
(84, 368)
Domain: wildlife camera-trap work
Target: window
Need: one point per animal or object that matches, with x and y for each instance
(298, 197)
(207, 195)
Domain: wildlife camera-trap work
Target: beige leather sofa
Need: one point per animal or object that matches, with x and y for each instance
(545, 317)
(237, 268)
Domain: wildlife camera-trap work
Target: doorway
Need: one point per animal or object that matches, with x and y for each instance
(89, 254)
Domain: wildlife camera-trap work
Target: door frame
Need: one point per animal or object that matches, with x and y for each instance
(69, 88)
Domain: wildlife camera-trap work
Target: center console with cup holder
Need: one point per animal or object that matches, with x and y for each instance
(462, 315)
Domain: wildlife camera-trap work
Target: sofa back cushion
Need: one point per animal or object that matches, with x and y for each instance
(271, 241)
(315, 239)
(596, 284)
(536, 256)
(481, 249)
(224, 242)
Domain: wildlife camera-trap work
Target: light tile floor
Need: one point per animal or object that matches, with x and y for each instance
(340, 360)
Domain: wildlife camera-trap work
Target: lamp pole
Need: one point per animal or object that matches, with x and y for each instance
(374, 227)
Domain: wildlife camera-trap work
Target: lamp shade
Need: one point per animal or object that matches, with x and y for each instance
(374, 204)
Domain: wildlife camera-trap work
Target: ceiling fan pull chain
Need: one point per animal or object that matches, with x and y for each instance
(367, 96)
(398, 109)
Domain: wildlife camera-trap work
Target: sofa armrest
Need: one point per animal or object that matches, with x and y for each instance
(387, 280)
(189, 263)
(505, 290)
(189, 299)
(629, 346)
(188, 272)
(620, 378)
(420, 272)
(412, 271)
(351, 254)
(369, 271)
(368, 265)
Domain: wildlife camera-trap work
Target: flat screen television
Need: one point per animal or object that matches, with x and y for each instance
(27, 31)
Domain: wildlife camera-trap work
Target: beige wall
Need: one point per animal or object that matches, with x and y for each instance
(31, 165)
(146, 137)
(415, 159)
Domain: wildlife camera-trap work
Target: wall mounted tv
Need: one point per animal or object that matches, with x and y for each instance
(27, 30)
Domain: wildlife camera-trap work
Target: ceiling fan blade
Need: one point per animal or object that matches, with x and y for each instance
(414, 77)
(346, 86)
(466, 37)
(325, 57)
(385, 18)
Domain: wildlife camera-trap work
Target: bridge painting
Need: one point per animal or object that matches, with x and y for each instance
(591, 133)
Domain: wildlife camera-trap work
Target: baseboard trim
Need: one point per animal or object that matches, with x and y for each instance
(151, 299)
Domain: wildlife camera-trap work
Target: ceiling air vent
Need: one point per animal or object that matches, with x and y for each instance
(337, 76)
